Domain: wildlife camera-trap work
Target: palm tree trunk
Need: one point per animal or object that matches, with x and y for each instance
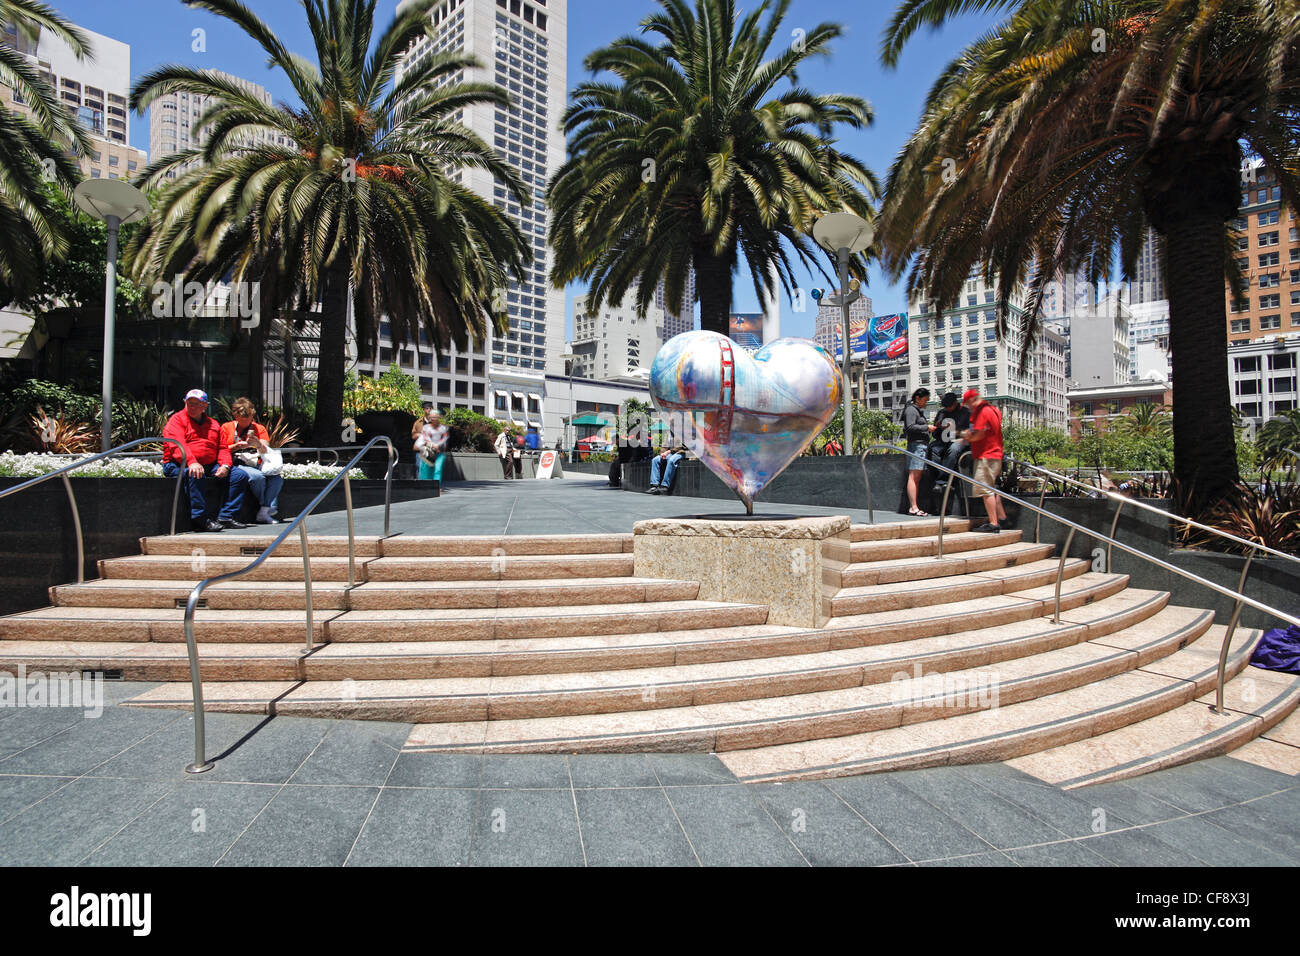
(1205, 457)
(327, 428)
(713, 285)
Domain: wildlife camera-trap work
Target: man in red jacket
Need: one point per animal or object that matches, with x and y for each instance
(985, 437)
(208, 458)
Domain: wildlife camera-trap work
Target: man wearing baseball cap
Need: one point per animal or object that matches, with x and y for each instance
(208, 458)
(985, 437)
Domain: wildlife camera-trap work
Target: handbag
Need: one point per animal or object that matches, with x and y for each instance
(272, 462)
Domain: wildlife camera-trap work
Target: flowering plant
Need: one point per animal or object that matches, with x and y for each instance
(33, 465)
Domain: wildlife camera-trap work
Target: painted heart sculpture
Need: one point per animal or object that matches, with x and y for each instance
(745, 416)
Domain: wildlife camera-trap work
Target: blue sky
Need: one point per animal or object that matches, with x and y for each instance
(161, 31)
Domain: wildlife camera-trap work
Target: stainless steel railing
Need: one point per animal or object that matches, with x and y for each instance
(1240, 598)
(299, 523)
(72, 499)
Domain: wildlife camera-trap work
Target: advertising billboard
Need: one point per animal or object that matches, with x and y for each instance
(882, 337)
(747, 330)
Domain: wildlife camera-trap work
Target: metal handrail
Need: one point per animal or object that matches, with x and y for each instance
(201, 762)
(72, 499)
(1123, 500)
(1074, 527)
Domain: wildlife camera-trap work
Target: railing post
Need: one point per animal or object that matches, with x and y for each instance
(306, 576)
(388, 484)
(1227, 638)
(1038, 516)
(201, 763)
(1110, 547)
(352, 559)
(76, 524)
(1060, 574)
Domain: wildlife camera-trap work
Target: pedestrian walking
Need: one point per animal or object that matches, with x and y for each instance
(985, 437)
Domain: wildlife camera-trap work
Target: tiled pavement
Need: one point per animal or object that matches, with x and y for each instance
(576, 504)
(111, 791)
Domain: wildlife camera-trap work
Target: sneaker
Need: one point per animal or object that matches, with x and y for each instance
(264, 516)
(988, 528)
(232, 523)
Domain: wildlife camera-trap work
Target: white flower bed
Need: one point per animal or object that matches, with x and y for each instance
(34, 465)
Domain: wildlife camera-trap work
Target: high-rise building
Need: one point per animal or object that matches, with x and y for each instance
(675, 323)
(1263, 375)
(828, 325)
(959, 349)
(1054, 409)
(1099, 345)
(95, 91)
(522, 45)
(1148, 283)
(1148, 340)
(172, 118)
(616, 344)
(1268, 251)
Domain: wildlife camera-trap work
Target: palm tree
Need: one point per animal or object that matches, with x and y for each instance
(33, 151)
(693, 160)
(352, 196)
(1279, 441)
(1063, 133)
(1146, 421)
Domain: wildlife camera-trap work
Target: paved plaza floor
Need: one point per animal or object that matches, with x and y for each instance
(110, 790)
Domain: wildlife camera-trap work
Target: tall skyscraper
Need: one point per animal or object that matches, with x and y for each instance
(522, 46)
(94, 91)
(1149, 281)
(172, 118)
(615, 343)
(675, 323)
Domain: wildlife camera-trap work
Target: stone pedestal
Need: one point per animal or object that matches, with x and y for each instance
(792, 565)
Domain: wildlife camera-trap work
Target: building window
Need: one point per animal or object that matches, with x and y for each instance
(1268, 238)
(1240, 326)
(1270, 301)
(1273, 321)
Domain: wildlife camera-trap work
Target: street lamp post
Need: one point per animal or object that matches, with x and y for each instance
(116, 202)
(569, 359)
(844, 234)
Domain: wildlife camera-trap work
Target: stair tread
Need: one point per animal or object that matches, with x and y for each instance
(1188, 731)
(856, 695)
(958, 580)
(931, 743)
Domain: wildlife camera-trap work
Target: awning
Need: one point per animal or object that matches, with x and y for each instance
(518, 395)
(589, 420)
(533, 424)
(503, 394)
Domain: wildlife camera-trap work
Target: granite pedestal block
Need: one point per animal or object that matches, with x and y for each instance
(792, 564)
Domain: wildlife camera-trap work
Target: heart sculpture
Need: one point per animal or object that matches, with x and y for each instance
(745, 416)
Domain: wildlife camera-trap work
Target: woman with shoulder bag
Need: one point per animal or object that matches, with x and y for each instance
(250, 448)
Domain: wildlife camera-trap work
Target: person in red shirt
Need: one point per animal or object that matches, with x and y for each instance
(208, 458)
(985, 437)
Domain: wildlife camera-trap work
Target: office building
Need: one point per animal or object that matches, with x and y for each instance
(172, 119)
(1053, 406)
(829, 322)
(616, 344)
(960, 349)
(522, 44)
(1099, 343)
(675, 323)
(1263, 377)
(95, 91)
(1268, 256)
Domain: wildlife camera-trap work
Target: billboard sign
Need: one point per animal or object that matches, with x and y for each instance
(882, 338)
(747, 330)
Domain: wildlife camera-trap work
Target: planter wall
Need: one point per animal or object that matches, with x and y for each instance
(1272, 580)
(40, 544)
(477, 466)
(835, 482)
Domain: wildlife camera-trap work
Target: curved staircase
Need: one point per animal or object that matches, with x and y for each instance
(550, 644)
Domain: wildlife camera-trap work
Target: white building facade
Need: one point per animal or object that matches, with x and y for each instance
(616, 343)
(523, 46)
(1263, 377)
(960, 349)
(172, 121)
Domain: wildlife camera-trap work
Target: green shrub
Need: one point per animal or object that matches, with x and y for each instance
(471, 431)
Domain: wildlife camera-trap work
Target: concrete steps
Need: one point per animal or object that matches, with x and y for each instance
(1006, 732)
(551, 644)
